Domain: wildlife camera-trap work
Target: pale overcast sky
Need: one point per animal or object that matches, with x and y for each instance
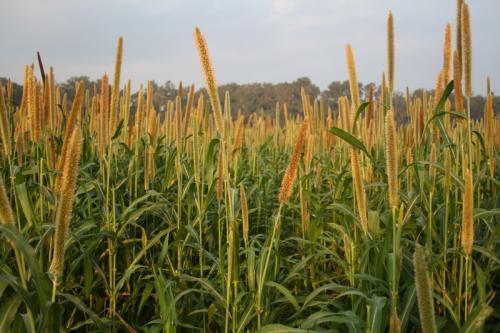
(249, 40)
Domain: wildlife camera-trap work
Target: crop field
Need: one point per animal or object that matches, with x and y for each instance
(120, 215)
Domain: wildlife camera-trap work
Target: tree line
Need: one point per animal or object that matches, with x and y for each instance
(262, 97)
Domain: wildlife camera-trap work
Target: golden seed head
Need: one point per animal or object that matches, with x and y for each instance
(467, 213)
(239, 138)
(291, 170)
(210, 82)
(199, 112)
(438, 93)
(459, 31)
(189, 106)
(6, 213)
(346, 243)
(369, 112)
(35, 111)
(244, 213)
(116, 87)
(391, 161)
(4, 125)
(447, 54)
(390, 51)
(69, 129)
(65, 202)
(353, 81)
(409, 156)
(457, 82)
(104, 112)
(358, 188)
(489, 123)
(383, 91)
(424, 291)
(308, 154)
(177, 121)
(467, 50)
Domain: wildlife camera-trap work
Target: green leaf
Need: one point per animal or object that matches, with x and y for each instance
(118, 130)
(209, 287)
(350, 139)
(361, 108)
(8, 311)
(446, 93)
(285, 292)
(39, 279)
(134, 265)
(356, 143)
(477, 318)
(144, 297)
(343, 290)
(82, 307)
(277, 328)
(408, 303)
(483, 213)
(246, 317)
(481, 139)
(53, 318)
(377, 305)
(321, 317)
(441, 114)
(26, 204)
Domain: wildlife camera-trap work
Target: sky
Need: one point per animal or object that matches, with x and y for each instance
(249, 40)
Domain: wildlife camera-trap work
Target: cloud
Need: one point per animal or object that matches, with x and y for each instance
(283, 7)
(249, 40)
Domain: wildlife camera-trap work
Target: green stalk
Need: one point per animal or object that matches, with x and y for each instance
(468, 273)
(179, 208)
(428, 239)
(230, 233)
(40, 182)
(460, 284)
(469, 132)
(263, 273)
(395, 263)
(445, 241)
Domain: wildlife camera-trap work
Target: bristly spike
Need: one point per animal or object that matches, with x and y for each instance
(5, 137)
(391, 160)
(438, 92)
(244, 213)
(210, 82)
(69, 129)
(447, 54)
(114, 112)
(65, 203)
(390, 51)
(467, 50)
(358, 188)
(424, 291)
(6, 213)
(353, 81)
(457, 82)
(458, 36)
(467, 236)
(291, 170)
